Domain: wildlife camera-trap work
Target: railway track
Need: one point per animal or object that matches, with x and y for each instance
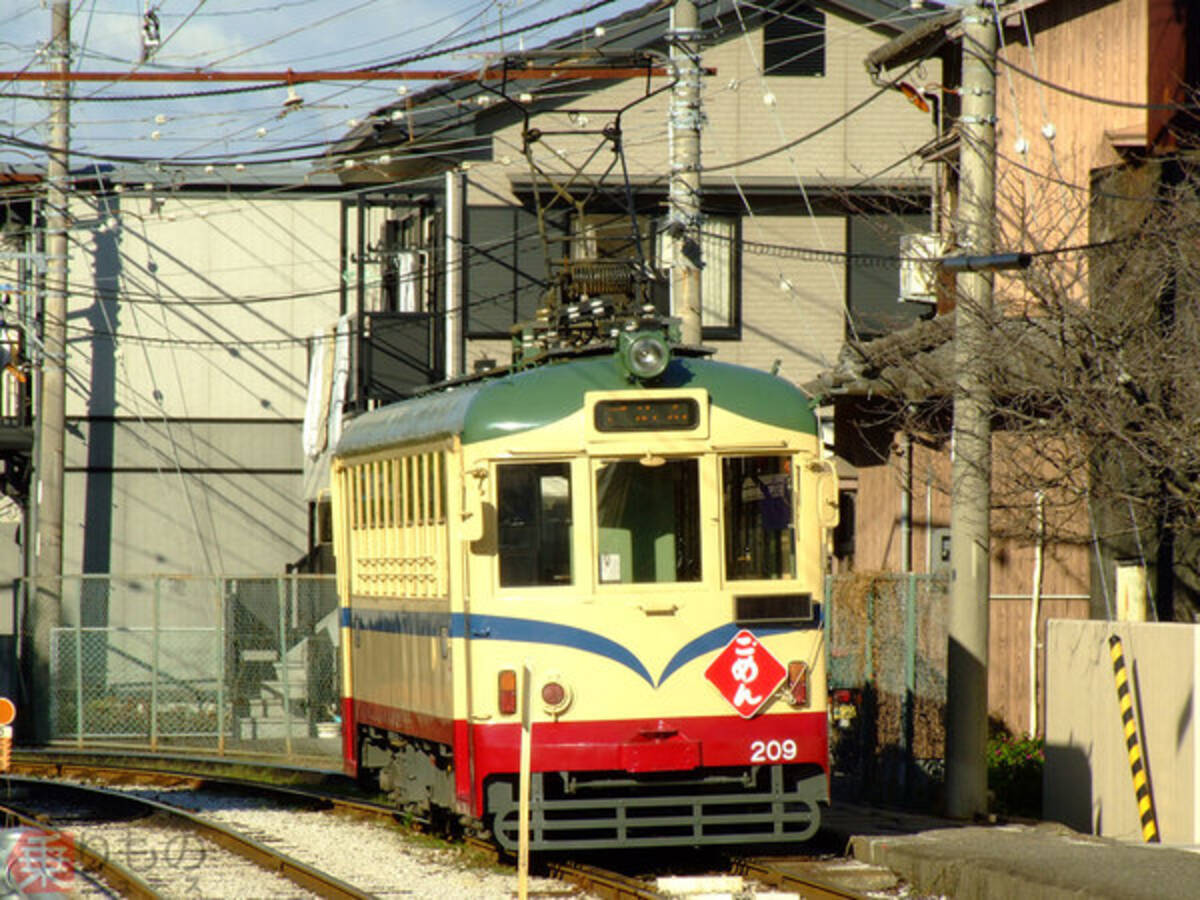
(330, 792)
(154, 819)
(812, 880)
(320, 793)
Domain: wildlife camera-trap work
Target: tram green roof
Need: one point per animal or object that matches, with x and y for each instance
(528, 399)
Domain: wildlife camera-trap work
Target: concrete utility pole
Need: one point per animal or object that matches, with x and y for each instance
(970, 536)
(51, 409)
(456, 209)
(686, 119)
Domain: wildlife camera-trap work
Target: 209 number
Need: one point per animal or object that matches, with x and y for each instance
(772, 751)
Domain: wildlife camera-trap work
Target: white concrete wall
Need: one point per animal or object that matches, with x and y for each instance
(183, 444)
(191, 272)
(1087, 782)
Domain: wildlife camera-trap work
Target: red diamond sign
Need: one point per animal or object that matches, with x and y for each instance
(746, 674)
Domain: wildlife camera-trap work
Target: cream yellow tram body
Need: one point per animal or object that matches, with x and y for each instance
(633, 562)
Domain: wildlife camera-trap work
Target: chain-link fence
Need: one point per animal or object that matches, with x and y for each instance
(223, 664)
(886, 635)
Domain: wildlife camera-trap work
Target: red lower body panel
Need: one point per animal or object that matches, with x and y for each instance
(629, 745)
(640, 746)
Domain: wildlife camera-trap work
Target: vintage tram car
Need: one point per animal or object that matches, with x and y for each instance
(624, 544)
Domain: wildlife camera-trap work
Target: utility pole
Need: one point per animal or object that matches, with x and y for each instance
(51, 408)
(970, 535)
(686, 118)
(453, 316)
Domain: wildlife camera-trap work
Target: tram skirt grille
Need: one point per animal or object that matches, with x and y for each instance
(575, 822)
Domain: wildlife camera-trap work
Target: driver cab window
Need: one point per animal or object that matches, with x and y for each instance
(534, 524)
(648, 516)
(760, 539)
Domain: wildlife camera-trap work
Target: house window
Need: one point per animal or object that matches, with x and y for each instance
(873, 306)
(610, 236)
(505, 267)
(403, 267)
(794, 41)
(720, 313)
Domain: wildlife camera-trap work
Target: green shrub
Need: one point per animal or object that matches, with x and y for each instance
(1015, 773)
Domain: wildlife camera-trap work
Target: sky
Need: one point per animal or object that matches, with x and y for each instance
(244, 35)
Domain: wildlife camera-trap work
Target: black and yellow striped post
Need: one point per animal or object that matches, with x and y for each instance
(1141, 784)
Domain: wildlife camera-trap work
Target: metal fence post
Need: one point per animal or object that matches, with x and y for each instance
(869, 650)
(910, 675)
(78, 676)
(218, 596)
(154, 663)
(287, 693)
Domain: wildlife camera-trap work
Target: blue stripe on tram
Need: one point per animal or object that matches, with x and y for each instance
(533, 631)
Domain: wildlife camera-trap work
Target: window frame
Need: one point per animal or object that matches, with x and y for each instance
(869, 311)
(794, 50)
(793, 464)
(573, 581)
(510, 297)
(732, 331)
(594, 465)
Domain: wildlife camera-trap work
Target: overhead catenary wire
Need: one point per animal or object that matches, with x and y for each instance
(293, 157)
(408, 59)
(800, 250)
(436, 48)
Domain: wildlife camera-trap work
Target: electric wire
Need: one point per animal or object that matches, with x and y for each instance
(392, 63)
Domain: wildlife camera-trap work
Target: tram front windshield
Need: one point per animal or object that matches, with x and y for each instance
(648, 517)
(647, 521)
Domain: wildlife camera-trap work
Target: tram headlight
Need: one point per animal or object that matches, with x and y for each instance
(556, 695)
(644, 354)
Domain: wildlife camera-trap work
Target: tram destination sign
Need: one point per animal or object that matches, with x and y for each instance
(681, 414)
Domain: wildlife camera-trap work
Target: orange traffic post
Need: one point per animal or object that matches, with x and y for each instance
(8, 713)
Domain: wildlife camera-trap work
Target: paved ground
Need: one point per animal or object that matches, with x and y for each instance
(1037, 861)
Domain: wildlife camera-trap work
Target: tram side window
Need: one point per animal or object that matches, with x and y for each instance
(649, 521)
(534, 516)
(760, 536)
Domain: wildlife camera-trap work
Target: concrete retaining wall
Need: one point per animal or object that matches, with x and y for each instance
(1087, 781)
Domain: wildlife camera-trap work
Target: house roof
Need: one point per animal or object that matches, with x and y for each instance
(916, 364)
(446, 124)
(923, 39)
(190, 176)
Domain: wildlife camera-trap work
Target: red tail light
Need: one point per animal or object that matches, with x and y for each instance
(798, 682)
(506, 692)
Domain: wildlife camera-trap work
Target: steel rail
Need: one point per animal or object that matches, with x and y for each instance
(807, 884)
(91, 768)
(115, 875)
(57, 767)
(598, 881)
(601, 882)
(299, 873)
